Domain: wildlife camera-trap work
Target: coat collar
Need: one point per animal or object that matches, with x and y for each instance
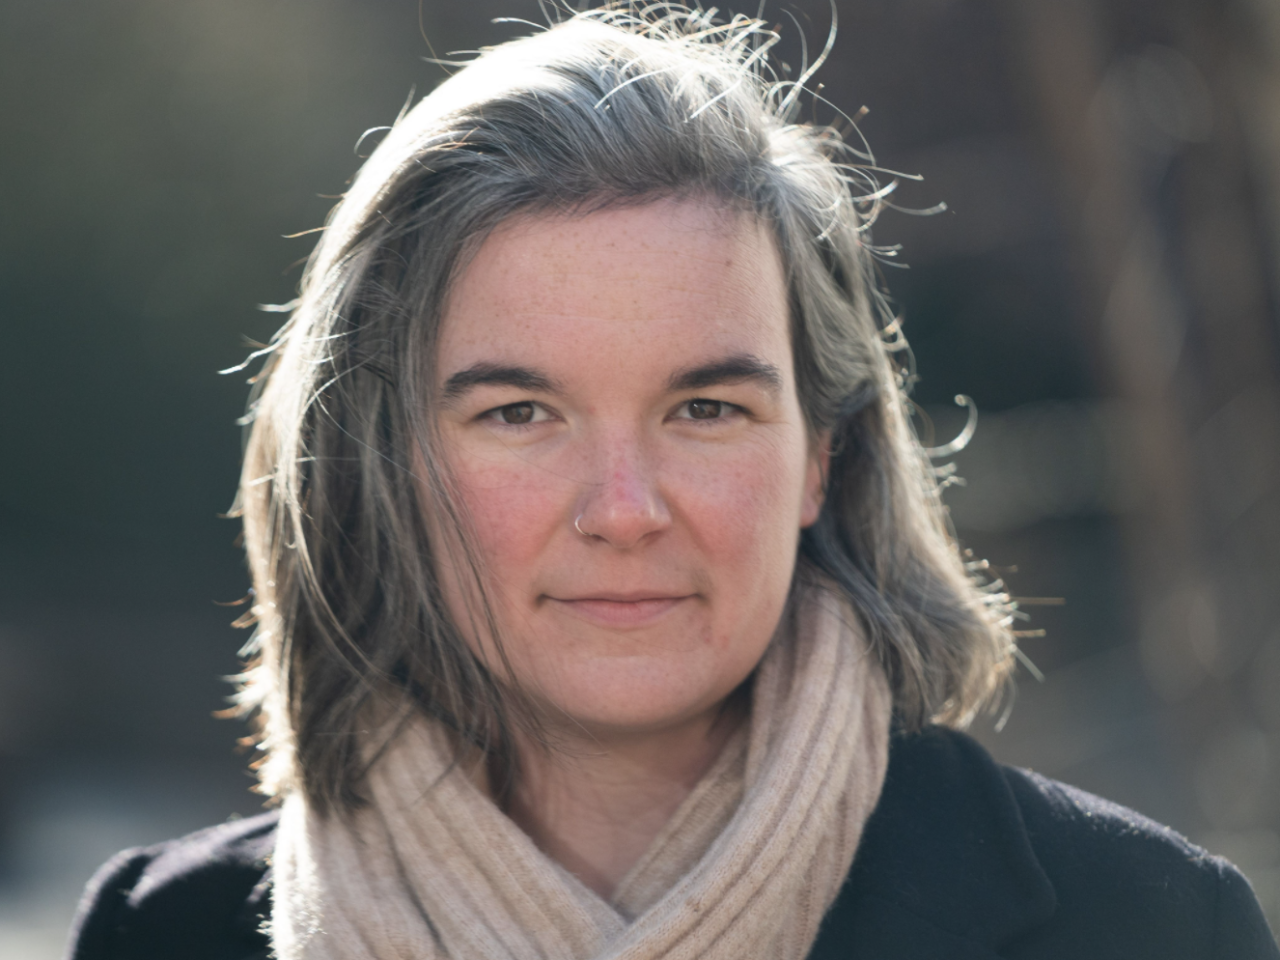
(945, 868)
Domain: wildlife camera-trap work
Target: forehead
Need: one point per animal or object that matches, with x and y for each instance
(672, 278)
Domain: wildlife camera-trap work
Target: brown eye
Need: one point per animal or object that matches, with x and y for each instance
(516, 413)
(705, 409)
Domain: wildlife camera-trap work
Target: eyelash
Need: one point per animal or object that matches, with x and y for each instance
(726, 409)
(495, 414)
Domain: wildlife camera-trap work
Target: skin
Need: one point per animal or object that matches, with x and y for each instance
(629, 369)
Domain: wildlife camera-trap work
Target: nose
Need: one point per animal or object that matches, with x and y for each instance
(625, 505)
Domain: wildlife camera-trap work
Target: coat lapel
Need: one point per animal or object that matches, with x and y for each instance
(945, 868)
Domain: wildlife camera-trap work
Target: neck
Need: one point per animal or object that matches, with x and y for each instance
(595, 804)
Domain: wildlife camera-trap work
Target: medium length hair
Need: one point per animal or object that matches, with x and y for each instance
(614, 106)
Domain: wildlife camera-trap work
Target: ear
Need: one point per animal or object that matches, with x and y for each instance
(815, 478)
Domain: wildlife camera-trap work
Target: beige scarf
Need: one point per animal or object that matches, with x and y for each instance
(746, 867)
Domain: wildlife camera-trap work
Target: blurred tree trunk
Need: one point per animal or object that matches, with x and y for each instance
(1162, 118)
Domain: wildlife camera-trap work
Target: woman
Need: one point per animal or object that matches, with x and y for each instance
(605, 604)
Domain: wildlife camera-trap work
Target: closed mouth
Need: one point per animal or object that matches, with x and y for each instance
(620, 610)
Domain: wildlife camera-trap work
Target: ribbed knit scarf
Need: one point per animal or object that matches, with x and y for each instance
(746, 867)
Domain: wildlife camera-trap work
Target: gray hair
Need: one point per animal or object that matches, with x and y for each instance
(612, 106)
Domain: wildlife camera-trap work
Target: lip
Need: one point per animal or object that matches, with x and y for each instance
(619, 610)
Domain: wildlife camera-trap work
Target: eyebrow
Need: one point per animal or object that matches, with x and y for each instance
(495, 374)
(737, 368)
(733, 369)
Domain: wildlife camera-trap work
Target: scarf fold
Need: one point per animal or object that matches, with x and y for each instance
(747, 866)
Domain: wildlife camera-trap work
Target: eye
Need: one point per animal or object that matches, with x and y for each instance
(701, 409)
(517, 414)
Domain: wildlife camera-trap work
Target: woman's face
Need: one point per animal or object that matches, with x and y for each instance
(630, 370)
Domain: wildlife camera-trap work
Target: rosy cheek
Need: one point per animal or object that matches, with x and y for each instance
(510, 509)
(740, 506)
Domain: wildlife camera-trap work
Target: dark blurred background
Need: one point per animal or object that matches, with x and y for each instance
(1103, 284)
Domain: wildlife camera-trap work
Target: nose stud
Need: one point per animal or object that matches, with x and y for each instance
(578, 526)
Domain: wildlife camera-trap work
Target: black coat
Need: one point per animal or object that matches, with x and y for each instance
(963, 859)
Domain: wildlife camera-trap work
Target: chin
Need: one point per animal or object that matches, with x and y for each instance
(636, 697)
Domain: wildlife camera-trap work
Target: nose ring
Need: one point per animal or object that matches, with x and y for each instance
(577, 526)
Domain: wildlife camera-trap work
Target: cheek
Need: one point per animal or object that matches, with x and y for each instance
(743, 507)
(513, 506)
(511, 511)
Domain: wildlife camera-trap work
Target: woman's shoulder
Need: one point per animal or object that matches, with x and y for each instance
(203, 897)
(975, 856)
